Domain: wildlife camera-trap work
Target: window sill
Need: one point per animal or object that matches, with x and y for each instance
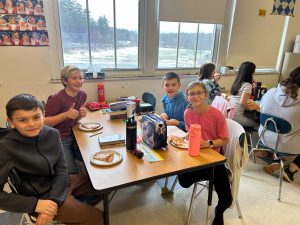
(124, 78)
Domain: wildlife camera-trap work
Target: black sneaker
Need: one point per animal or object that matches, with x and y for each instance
(287, 174)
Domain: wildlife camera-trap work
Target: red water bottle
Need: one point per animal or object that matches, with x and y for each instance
(101, 96)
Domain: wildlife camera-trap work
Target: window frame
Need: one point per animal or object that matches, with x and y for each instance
(148, 40)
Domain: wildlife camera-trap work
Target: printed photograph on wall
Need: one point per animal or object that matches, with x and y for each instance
(22, 23)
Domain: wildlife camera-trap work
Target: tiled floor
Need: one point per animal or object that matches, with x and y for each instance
(143, 205)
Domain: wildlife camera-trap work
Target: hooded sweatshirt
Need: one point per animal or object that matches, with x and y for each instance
(41, 165)
(276, 102)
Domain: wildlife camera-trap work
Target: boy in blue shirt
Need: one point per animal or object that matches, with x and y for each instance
(174, 102)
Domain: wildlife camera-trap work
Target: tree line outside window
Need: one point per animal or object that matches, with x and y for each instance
(109, 39)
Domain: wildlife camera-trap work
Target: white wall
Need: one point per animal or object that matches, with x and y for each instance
(28, 70)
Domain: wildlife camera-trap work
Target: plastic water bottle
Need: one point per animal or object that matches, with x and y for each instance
(194, 140)
(131, 134)
(101, 96)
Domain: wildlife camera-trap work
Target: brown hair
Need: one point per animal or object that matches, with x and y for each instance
(192, 85)
(292, 83)
(206, 71)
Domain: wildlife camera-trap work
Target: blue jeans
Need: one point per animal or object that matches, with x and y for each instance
(72, 152)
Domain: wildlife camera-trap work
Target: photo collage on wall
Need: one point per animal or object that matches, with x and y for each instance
(22, 23)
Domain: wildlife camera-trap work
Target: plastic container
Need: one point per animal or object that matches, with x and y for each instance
(130, 107)
(194, 140)
(101, 96)
(131, 134)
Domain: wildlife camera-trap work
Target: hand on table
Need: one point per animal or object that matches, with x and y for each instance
(164, 116)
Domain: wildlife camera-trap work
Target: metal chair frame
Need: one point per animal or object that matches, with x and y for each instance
(278, 126)
(169, 193)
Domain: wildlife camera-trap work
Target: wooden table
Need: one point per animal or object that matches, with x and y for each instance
(132, 170)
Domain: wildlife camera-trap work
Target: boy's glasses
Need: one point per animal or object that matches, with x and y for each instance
(198, 93)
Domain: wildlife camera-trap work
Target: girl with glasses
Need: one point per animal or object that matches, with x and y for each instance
(214, 134)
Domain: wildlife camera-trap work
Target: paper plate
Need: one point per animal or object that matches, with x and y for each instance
(183, 145)
(118, 157)
(90, 126)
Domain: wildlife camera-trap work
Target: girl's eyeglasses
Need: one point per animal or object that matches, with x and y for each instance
(198, 93)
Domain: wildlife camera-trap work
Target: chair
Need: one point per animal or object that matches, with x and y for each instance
(278, 126)
(14, 182)
(223, 106)
(149, 98)
(236, 153)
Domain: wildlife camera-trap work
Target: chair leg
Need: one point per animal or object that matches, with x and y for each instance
(280, 179)
(249, 136)
(239, 209)
(192, 204)
(174, 184)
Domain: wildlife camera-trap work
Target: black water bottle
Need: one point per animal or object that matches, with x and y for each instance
(131, 134)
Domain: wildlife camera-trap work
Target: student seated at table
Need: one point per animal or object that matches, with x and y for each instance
(214, 134)
(283, 101)
(64, 109)
(210, 79)
(36, 153)
(174, 102)
(240, 95)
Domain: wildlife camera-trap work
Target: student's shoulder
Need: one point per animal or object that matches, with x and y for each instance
(57, 96)
(49, 131)
(82, 93)
(215, 112)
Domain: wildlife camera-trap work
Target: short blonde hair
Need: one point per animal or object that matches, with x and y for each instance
(65, 73)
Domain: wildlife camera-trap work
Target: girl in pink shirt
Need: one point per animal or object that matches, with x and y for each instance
(214, 134)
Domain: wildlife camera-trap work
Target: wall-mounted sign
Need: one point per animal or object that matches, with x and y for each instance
(283, 7)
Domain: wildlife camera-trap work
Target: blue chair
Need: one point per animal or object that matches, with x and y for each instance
(278, 126)
(149, 98)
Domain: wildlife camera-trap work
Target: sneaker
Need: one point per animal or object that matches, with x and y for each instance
(288, 175)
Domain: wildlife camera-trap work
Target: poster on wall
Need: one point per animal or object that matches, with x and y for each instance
(22, 23)
(283, 7)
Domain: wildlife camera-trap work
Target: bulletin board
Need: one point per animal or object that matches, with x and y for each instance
(22, 23)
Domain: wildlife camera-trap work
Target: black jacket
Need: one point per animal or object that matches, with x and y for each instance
(42, 167)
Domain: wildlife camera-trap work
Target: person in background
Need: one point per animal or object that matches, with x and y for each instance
(35, 152)
(174, 102)
(240, 95)
(210, 78)
(214, 134)
(64, 109)
(283, 101)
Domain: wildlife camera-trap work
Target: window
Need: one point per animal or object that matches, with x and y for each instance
(100, 34)
(185, 45)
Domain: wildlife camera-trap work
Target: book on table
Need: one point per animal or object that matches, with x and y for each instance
(111, 140)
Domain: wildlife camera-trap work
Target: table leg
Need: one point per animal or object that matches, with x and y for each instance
(106, 208)
(210, 190)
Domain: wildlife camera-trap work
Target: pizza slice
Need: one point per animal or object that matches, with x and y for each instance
(105, 157)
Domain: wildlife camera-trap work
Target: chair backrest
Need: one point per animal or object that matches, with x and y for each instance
(275, 124)
(223, 106)
(14, 180)
(149, 98)
(236, 153)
